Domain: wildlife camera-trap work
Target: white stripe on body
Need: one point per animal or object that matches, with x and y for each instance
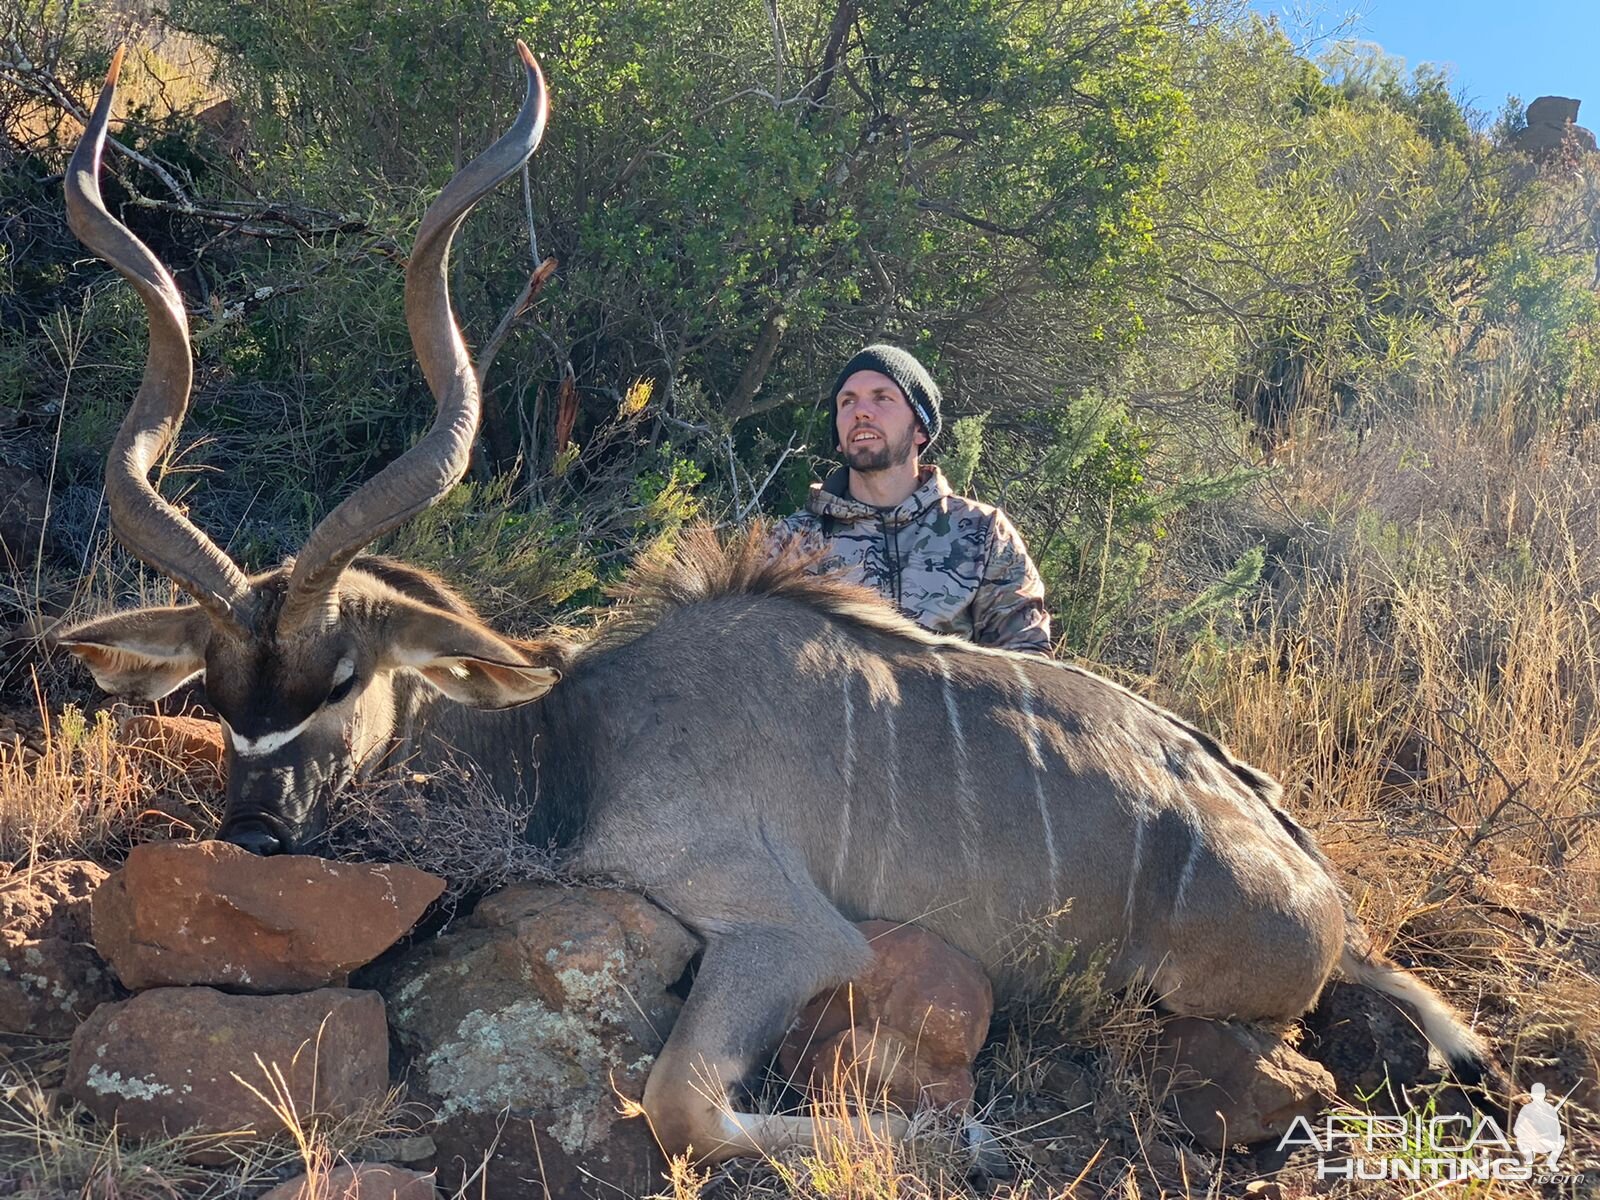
(891, 758)
(1036, 767)
(969, 821)
(848, 770)
(1133, 870)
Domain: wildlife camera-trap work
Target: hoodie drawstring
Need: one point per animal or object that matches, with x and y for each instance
(891, 558)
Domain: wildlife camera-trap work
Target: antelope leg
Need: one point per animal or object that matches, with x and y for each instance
(752, 982)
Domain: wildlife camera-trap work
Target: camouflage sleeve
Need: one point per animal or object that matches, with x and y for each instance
(1008, 610)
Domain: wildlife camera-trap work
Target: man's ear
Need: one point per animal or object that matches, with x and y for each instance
(468, 663)
(146, 653)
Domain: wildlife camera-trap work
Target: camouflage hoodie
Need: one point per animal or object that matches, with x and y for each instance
(951, 564)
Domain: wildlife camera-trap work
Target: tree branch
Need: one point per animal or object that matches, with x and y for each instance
(843, 18)
(524, 301)
(758, 364)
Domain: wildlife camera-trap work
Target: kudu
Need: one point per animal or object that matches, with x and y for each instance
(766, 754)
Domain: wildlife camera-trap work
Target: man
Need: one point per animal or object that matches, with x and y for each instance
(951, 564)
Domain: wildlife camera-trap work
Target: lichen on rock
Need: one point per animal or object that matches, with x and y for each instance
(111, 1083)
(504, 1059)
(549, 1003)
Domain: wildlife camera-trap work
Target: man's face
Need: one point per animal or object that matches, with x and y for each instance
(876, 426)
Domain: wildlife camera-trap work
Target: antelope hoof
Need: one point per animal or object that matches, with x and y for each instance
(253, 836)
(988, 1159)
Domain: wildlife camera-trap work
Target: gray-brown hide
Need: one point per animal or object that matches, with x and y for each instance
(768, 755)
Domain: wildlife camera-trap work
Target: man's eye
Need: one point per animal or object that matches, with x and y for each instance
(341, 690)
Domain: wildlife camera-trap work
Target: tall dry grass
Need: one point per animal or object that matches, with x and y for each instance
(68, 792)
(1423, 678)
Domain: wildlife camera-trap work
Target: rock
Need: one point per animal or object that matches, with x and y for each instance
(1371, 1047)
(363, 1181)
(551, 1003)
(165, 1060)
(23, 506)
(403, 1149)
(1546, 142)
(188, 744)
(211, 913)
(1552, 131)
(880, 1061)
(912, 1023)
(1234, 1085)
(50, 976)
(1554, 110)
(1584, 138)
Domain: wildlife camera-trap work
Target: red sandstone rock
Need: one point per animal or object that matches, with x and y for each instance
(1233, 1085)
(363, 1181)
(912, 1023)
(189, 744)
(50, 977)
(211, 913)
(881, 1061)
(165, 1060)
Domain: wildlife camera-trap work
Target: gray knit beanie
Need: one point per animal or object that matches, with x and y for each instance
(920, 391)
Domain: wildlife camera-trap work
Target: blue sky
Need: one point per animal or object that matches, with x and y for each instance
(1493, 47)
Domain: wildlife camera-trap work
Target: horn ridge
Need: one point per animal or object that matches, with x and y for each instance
(152, 529)
(427, 471)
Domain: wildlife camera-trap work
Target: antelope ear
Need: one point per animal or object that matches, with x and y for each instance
(469, 663)
(146, 653)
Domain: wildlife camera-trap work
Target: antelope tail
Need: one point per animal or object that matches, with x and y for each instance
(1467, 1055)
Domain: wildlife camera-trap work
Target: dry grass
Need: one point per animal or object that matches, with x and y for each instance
(73, 790)
(51, 1149)
(849, 1158)
(472, 839)
(1426, 691)
(1424, 681)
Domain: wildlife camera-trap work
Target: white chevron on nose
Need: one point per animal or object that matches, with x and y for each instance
(268, 742)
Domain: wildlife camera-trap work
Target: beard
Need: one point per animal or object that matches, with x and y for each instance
(882, 455)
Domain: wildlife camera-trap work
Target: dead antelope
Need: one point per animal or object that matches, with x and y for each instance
(767, 755)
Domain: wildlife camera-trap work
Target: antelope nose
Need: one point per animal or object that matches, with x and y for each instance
(254, 837)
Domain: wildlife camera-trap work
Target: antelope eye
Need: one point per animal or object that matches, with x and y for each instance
(341, 689)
